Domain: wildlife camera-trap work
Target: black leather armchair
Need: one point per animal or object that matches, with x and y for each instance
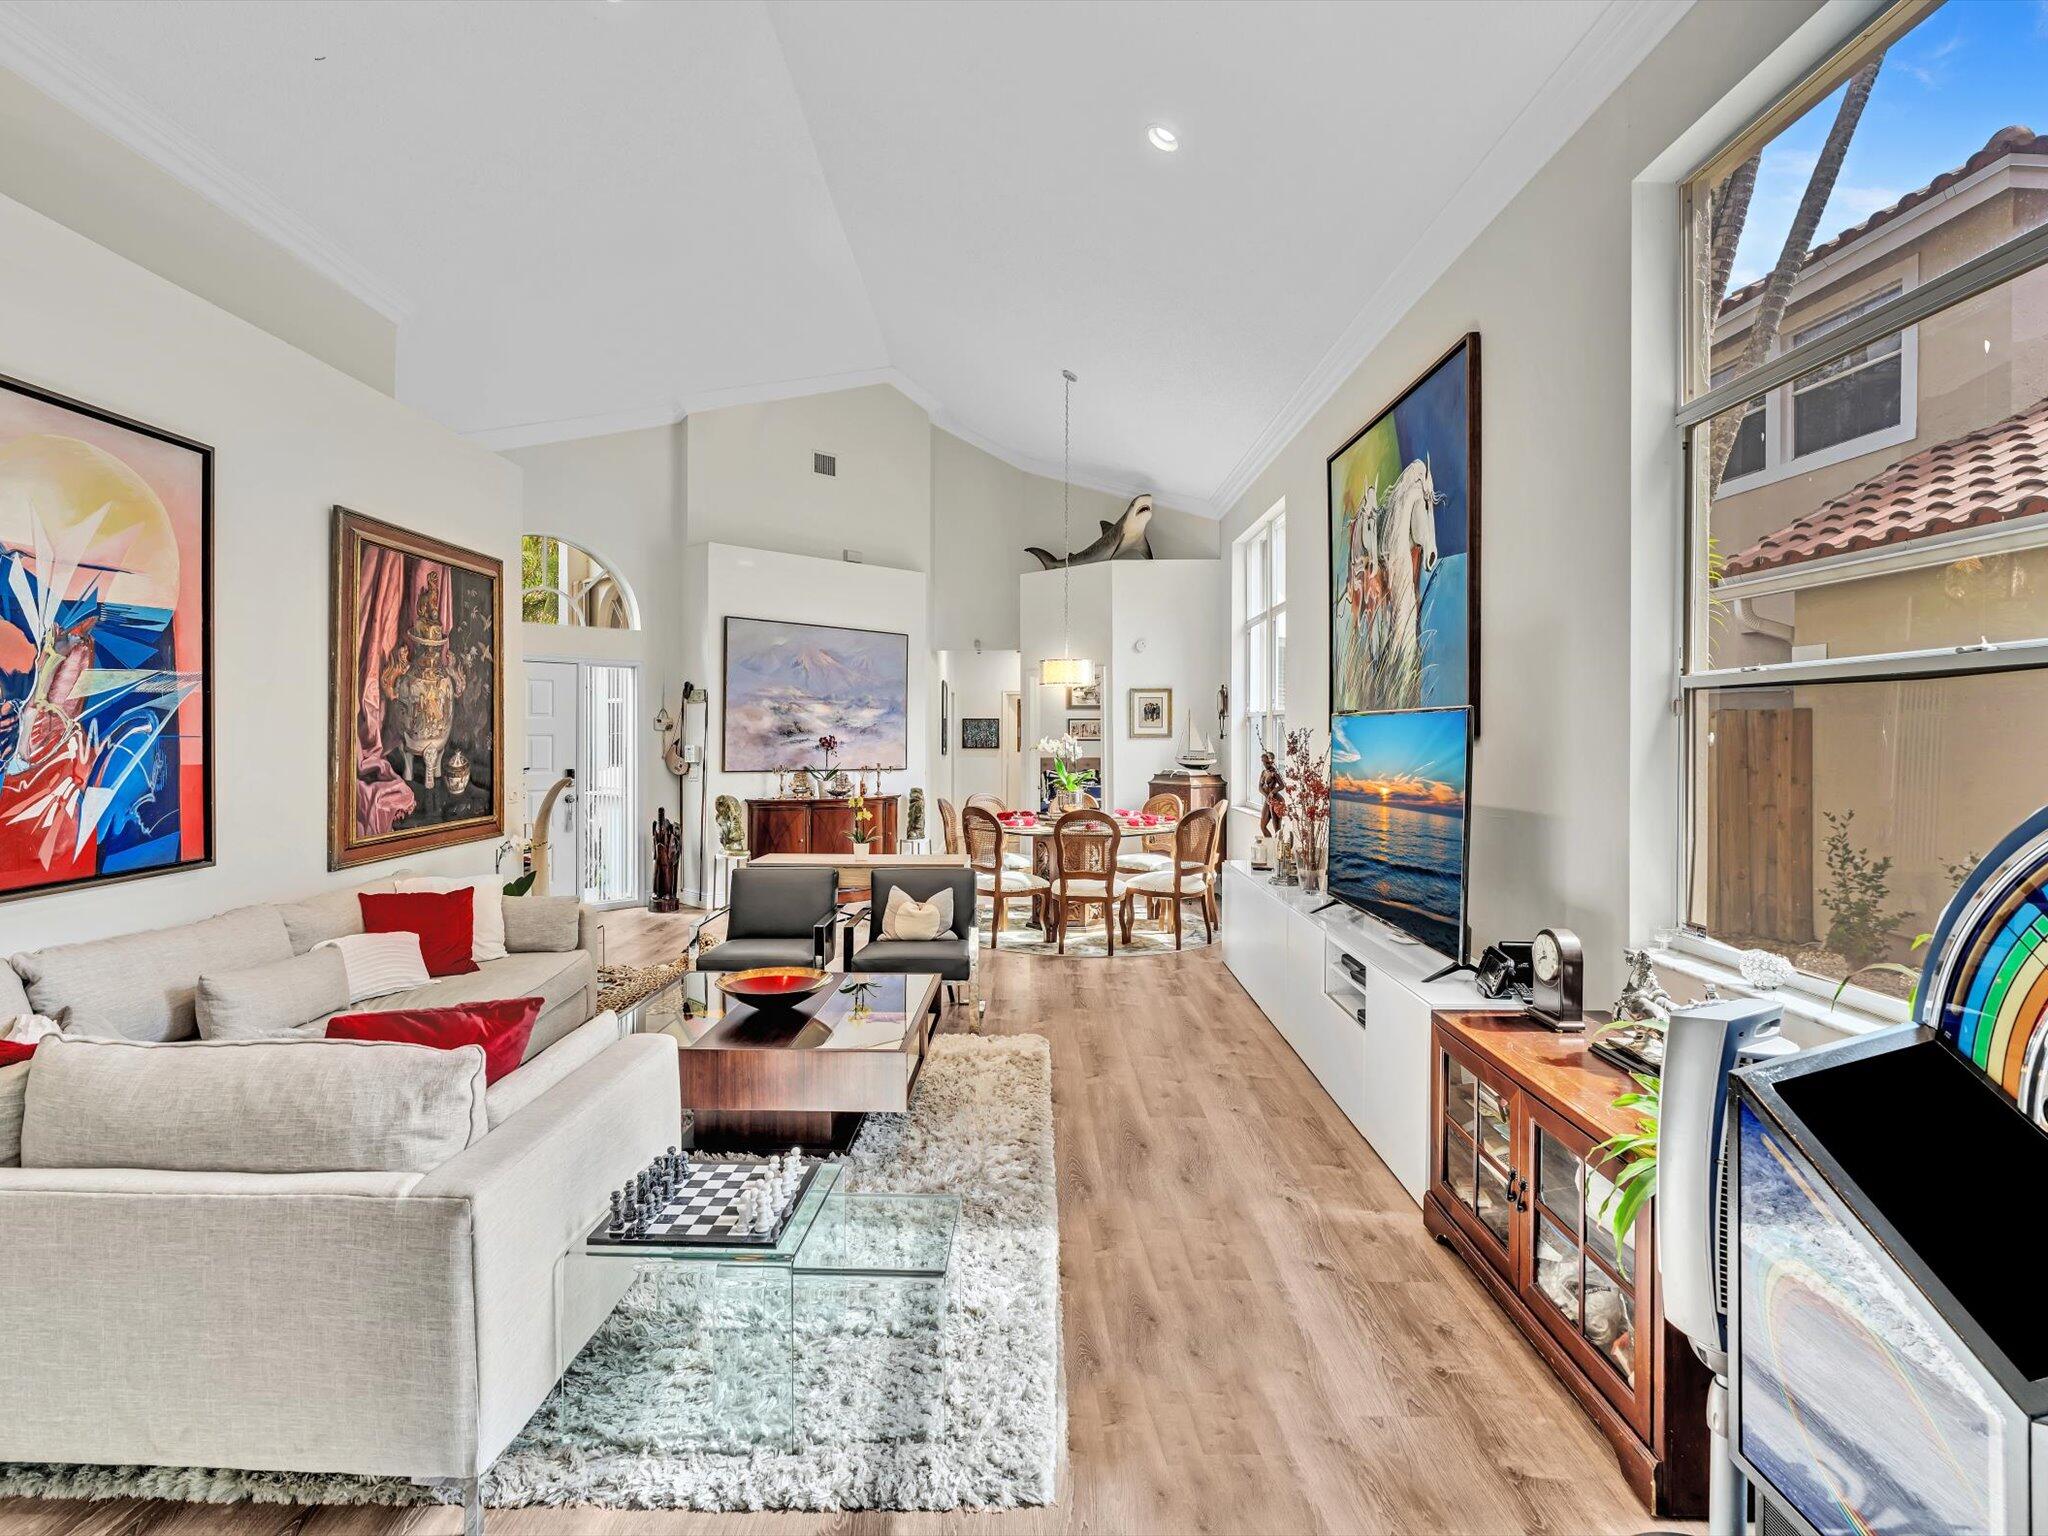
(950, 956)
(777, 916)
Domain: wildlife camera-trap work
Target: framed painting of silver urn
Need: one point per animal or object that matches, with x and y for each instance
(417, 698)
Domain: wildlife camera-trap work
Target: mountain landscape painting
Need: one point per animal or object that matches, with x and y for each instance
(788, 684)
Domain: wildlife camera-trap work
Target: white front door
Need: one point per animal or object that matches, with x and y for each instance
(551, 751)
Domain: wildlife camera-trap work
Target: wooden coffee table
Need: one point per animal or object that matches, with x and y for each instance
(807, 1076)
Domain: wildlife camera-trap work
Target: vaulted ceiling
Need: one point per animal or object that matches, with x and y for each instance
(586, 216)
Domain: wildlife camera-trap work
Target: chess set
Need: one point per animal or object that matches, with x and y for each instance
(676, 1202)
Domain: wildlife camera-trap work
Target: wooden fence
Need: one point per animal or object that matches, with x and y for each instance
(1760, 824)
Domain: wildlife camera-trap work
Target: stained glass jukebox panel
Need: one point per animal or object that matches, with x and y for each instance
(1854, 1401)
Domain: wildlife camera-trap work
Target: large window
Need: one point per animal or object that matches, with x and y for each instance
(1865, 676)
(1261, 659)
(560, 583)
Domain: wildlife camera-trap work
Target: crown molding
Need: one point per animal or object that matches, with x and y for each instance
(1619, 39)
(65, 78)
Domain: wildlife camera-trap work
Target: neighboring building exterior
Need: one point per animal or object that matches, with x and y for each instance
(1897, 500)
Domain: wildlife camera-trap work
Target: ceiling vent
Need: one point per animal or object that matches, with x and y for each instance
(824, 464)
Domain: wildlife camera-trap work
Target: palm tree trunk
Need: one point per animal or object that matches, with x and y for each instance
(1820, 186)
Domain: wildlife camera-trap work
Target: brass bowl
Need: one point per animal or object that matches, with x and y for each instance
(767, 988)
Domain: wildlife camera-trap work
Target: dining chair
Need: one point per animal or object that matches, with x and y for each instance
(982, 800)
(1191, 876)
(994, 878)
(1084, 852)
(949, 825)
(1156, 852)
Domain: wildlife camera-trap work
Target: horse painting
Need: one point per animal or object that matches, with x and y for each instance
(1403, 521)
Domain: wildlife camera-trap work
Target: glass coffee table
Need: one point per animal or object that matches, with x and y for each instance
(837, 1329)
(807, 1076)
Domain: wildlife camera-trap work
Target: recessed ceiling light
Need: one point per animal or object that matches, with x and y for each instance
(1163, 138)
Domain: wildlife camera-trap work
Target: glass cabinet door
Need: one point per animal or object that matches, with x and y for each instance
(1475, 1172)
(1583, 1285)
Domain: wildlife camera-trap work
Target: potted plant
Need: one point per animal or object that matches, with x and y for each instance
(1065, 753)
(863, 824)
(828, 745)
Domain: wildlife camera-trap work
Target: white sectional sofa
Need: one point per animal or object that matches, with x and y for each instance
(294, 1253)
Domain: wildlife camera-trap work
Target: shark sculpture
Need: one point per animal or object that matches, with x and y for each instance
(1123, 539)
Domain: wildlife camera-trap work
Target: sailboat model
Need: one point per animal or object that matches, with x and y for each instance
(1196, 754)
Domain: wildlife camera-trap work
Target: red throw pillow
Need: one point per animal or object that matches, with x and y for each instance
(502, 1028)
(444, 920)
(12, 1051)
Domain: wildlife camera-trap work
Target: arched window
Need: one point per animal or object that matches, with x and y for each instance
(561, 583)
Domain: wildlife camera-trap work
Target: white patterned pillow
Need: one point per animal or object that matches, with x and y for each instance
(378, 964)
(917, 921)
(487, 933)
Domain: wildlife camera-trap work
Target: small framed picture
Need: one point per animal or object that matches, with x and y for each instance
(1151, 711)
(1085, 727)
(980, 733)
(1085, 696)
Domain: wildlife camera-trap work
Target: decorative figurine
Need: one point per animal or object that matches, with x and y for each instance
(732, 838)
(455, 772)
(421, 682)
(913, 816)
(668, 862)
(801, 784)
(1272, 796)
(1643, 997)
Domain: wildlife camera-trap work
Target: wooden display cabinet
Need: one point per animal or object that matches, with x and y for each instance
(1515, 1112)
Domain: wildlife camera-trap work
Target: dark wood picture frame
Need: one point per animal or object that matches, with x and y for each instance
(208, 681)
(345, 849)
(1470, 342)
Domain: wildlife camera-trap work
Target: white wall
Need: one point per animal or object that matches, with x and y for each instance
(620, 497)
(723, 579)
(1569, 756)
(984, 514)
(292, 437)
(1173, 607)
(57, 163)
(750, 480)
(978, 684)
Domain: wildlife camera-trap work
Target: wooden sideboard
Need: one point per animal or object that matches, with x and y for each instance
(818, 826)
(1515, 1111)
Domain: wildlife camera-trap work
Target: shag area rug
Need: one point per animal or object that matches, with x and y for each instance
(981, 1128)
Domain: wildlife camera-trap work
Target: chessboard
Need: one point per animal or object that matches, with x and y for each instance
(680, 1203)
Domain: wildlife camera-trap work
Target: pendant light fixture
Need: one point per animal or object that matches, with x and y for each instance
(1067, 669)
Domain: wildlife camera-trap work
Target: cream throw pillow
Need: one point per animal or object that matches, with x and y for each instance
(917, 921)
(487, 936)
(379, 964)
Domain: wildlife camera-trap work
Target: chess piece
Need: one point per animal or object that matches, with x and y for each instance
(617, 1226)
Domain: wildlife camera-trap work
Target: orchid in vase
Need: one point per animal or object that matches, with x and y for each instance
(1065, 753)
(828, 745)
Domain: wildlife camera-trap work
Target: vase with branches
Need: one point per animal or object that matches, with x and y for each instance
(1308, 803)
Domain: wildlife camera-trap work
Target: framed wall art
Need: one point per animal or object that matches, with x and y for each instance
(418, 694)
(106, 646)
(1404, 548)
(787, 684)
(1085, 727)
(1151, 711)
(981, 733)
(1084, 696)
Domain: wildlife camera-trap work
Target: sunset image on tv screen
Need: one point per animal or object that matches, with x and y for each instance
(1397, 820)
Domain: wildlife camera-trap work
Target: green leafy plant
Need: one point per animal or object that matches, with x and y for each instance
(1636, 1180)
(1888, 968)
(522, 885)
(1859, 927)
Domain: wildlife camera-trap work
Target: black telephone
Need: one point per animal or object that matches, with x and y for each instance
(1506, 971)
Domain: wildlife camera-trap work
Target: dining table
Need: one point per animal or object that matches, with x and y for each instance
(1036, 834)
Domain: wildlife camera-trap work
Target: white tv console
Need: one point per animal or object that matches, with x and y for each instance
(1367, 1045)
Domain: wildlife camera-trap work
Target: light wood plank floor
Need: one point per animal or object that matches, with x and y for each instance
(1260, 1337)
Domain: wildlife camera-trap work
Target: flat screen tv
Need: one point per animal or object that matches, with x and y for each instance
(1398, 820)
